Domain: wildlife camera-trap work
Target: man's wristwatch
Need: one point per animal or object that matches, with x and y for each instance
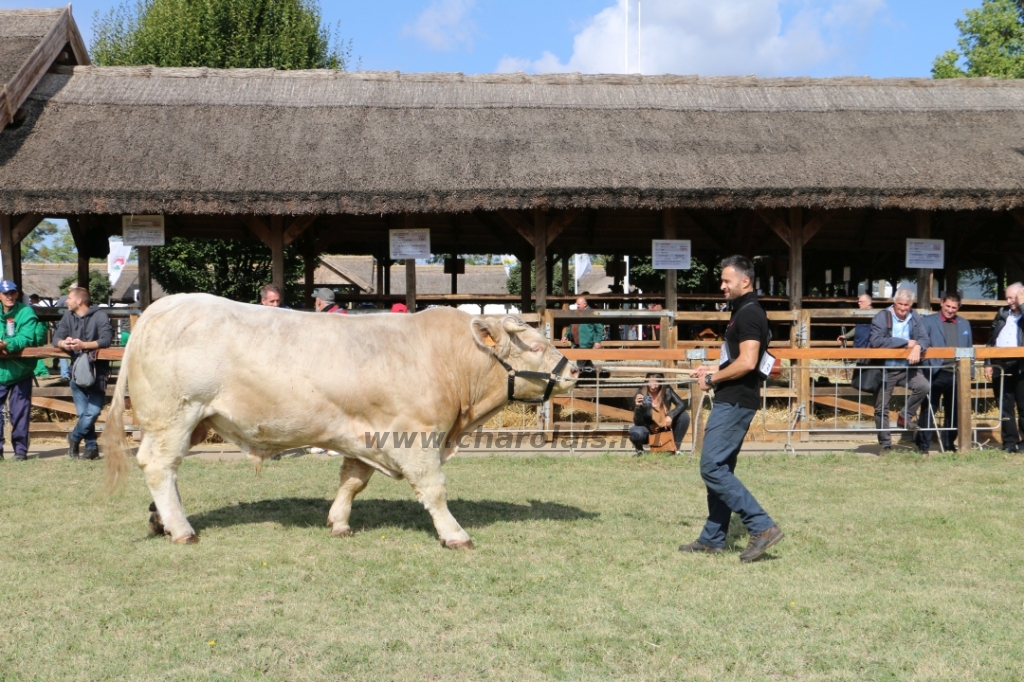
(708, 381)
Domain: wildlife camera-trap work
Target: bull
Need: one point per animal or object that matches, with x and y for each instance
(268, 379)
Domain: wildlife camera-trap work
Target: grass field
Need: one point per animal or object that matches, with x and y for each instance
(892, 569)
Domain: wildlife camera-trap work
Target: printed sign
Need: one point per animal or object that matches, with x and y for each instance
(142, 230)
(926, 253)
(410, 244)
(670, 254)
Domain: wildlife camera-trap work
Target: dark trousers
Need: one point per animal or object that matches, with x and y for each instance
(19, 403)
(640, 434)
(891, 378)
(723, 437)
(88, 405)
(942, 388)
(1010, 382)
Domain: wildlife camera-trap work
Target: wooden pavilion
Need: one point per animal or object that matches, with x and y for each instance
(809, 174)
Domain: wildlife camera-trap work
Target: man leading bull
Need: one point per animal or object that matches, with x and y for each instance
(737, 386)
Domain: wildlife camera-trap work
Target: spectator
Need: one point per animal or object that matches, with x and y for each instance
(270, 295)
(657, 409)
(323, 302)
(945, 329)
(33, 300)
(1008, 332)
(84, 328)
(899, 327)
(399, 308)
(586, 335)
(860, 334)
(21, 329)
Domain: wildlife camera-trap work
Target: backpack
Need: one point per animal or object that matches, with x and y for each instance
(83, 371)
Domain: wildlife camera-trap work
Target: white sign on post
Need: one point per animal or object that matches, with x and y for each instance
(410, 244)
(142, 230)
(926, 253)
(670, 254)
(846, 274)
(828, 277)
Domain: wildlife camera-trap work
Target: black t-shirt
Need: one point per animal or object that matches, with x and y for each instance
(748, 323)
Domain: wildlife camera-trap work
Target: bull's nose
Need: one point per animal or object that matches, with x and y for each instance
(574, 370)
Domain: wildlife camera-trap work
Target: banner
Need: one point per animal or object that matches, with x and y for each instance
(117, 259)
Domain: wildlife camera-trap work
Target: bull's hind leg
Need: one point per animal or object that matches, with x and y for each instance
(354, 477)
(428, 482)
(159, 457)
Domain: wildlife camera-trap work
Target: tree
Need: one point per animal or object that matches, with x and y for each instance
(514, 282)
(279, 34)
(99, 285)
(991, 43)
(49, 243)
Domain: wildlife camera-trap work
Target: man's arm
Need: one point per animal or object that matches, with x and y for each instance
(746, 362)
(62, 330)
(879, 329)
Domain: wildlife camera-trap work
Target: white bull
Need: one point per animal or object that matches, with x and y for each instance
(268, 379)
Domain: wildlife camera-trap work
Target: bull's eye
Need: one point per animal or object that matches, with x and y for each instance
(537, 348)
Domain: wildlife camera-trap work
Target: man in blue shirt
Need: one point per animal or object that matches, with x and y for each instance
(899, 327)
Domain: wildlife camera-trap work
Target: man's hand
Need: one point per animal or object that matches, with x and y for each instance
(915, 355)
(639, 400)
(988, 373)
(597, 345)
(912, 344)
(700, 373)
(3, 346)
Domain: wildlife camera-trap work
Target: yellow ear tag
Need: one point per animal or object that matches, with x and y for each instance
(490, 341)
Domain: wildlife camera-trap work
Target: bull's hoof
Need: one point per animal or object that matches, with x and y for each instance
(156, 524)
(341, 532)
(457, 544)
(187, 540)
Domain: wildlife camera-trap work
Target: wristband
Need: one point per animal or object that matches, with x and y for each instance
(708, 380)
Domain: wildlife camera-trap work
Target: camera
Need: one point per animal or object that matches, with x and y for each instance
(648, 401)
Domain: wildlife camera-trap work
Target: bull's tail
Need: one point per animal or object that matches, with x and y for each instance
(115, 447)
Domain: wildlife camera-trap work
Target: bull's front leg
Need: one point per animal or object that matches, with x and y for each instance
(428, 482)
(354, 477)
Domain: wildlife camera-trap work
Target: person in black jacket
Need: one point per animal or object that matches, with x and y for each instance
(82, 329)
(1007, 375)
(657, 408)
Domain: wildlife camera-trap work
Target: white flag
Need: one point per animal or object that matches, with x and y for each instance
(116, 260)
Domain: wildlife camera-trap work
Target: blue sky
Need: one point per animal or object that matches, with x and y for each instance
(878, 38)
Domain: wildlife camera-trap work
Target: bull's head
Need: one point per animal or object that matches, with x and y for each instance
(536, 369)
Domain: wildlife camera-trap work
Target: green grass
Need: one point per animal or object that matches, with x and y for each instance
(892, 569)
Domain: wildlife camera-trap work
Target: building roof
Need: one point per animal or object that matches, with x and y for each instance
(197, 140)
(45, 278)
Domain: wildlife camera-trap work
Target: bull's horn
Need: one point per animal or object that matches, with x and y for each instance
(513, 325)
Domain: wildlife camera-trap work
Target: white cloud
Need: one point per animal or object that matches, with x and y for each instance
(717, 37)
(444, 24)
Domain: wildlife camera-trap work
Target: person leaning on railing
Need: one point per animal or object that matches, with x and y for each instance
(586, 334)
(1008, 332)
(21, 329)
(945, 329)
(859, 335)
(899, 327)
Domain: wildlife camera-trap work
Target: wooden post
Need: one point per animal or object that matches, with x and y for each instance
(796, 259)
(387, 276)
(145, 278)
(277, 250)
(965, 432)
(524, 282)
(803, 388)
(565, 274)
(410, 271)
(309, 262)
(455, 273)
(540, 259)
(668, 222)
(923, 223)
(7, 246)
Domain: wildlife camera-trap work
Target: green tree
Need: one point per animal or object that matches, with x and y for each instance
(99, 285)
(49, 243)
(279, 34)
(991, 43)
(514, 281)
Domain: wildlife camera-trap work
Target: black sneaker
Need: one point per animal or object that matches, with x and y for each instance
(20, 458)
(696, 547)
(1, 455)
(73, 452)
(760, 542)
(91, 453)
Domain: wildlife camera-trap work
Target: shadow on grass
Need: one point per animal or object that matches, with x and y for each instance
(367, 515)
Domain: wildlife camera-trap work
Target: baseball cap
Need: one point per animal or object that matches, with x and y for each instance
(7, 286)
(324, 294)
(399, 308)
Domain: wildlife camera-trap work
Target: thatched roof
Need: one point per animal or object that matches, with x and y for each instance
(140, 140)
(45, 278)
(431, 280)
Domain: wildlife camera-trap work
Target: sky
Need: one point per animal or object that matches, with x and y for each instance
(878, 38)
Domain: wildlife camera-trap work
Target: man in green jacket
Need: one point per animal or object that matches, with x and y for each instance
(587, 334)
(20, 328)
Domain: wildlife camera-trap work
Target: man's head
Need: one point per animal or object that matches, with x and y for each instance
(78, 300)
(34, 299)
(323, 298)
(1012, 292)
(902, 302)
(737, 277)
(864, 301)
(581, 303)
(270, 295)
(951, 303)
(8, 293)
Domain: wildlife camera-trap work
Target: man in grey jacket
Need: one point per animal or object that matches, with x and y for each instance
(945, 329)
(899, 327)
(85, 328)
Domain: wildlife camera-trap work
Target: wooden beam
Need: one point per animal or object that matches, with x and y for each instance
(258, 228)
(27, 77)
(965, 435)
(410, 270)
(24, 227)
(923, 228)
(796, 259)
(668, 228)
(77, 226)
(818, 221)
(564, 220)
(7, 246)
(778, 225)
(297, 226)
(520, 224)
(145, 277)
(540, 260)
(694, 225)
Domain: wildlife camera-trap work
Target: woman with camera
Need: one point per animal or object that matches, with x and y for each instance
(657, 408)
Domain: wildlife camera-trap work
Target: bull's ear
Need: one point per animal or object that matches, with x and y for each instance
(488, 332)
